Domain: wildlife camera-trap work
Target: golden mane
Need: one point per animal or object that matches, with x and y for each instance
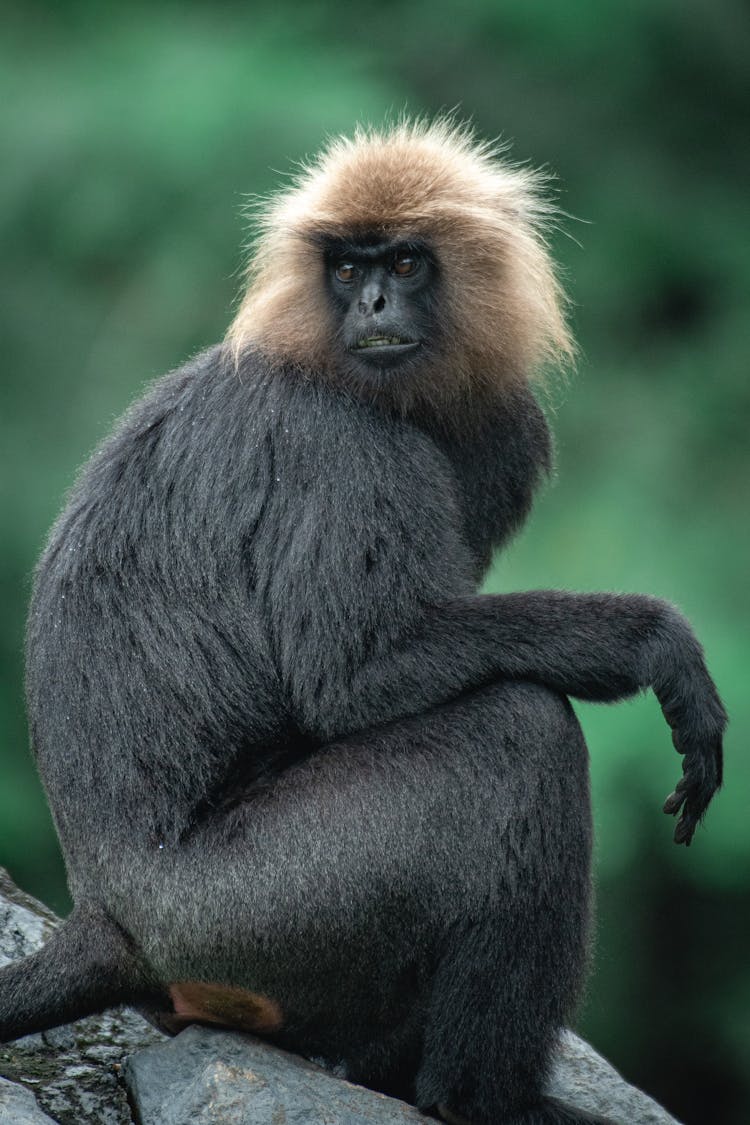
(502, 309)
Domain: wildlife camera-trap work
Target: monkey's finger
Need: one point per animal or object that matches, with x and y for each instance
(674, 803)
(686, 825)
(677, 798)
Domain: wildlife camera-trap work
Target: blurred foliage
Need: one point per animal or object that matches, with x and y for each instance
(129, 134)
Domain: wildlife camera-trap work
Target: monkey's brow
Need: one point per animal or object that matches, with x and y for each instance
(367, 249)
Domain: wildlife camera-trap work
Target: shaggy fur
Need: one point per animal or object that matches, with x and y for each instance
(304, 775)
(501, 303)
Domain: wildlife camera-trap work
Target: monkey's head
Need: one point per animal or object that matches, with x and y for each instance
(407, 265)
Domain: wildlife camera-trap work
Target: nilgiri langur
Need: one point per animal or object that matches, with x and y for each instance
(307, 780)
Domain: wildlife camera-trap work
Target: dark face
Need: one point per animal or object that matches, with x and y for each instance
(384, 297)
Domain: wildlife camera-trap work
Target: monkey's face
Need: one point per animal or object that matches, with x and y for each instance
(384, 297)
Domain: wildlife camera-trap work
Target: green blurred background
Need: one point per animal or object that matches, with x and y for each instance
(129, 134)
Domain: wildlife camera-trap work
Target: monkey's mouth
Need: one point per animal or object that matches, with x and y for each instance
(384, 342)
(384, 349)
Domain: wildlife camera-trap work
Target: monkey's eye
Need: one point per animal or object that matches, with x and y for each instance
(345, 271)
(405, 264)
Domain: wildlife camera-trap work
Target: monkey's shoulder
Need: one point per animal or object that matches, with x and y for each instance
(161, 475)
(210, 417)
(213, 450)
(213, 455)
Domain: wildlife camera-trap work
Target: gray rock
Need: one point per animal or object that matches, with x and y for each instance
(584, 1079)
(74, 1072)
(213, 1077)
(207, 1077)
(18, 1106)
(25, 924)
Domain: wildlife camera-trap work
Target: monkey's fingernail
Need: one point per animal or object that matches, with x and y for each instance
(672, 803)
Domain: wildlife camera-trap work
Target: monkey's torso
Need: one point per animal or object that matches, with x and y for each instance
(237, 527)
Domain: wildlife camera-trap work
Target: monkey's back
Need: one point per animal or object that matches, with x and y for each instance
(232, 526)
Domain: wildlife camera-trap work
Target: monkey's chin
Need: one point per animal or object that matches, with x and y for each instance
(384, 355)
(393, 375)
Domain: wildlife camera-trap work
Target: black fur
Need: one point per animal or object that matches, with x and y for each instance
(289, 747)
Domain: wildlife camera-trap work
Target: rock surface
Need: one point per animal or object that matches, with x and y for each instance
(581, 1077)
(116, 1069)
(206, 1076)
(18, 1105)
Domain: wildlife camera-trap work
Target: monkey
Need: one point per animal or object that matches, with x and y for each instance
(308, 781)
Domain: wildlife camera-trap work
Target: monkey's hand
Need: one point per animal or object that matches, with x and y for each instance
(694, 711)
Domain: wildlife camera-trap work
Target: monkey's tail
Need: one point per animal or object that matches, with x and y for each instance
(88, 964)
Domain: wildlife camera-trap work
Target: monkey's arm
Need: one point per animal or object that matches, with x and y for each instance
(600, 647)
(591, 646)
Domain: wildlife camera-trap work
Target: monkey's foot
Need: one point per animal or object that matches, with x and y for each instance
(450, 1117)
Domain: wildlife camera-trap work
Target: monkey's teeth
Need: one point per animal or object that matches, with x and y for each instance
(379, 341)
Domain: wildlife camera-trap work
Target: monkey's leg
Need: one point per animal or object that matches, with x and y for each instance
(510, 969)
(432, 875)
(336, 897)
(492, 1022)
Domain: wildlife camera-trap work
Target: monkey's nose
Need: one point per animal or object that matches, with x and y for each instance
(375, 306)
